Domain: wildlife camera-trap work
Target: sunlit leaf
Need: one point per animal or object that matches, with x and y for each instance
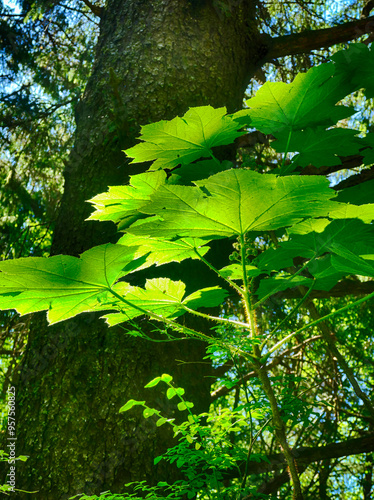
(184, 140)
(66, 285)
(130, 404)
(232, 203)
(121, 204)
(163, 298)
(152, 383)
(308, 101)
(160, 251)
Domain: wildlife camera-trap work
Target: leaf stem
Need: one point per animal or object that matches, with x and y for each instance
(213, 157)
(280, 428)
(286, 150)
(172, 324)
(261, 372)
(207, 263)
(216, 318)
(250, 451)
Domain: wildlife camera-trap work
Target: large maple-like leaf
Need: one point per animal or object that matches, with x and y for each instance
(352, 235)
(184, 140)
(356, 65)
(308, 101)
(342, 248)
(233, 203)
(65, 285)
(160, 251)
(122, 204)
(359, 195)
(317, 146)
(163, 298)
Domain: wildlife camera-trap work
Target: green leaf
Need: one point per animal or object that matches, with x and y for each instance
(317, 146)
(163, 297)
(165, 377)
(6, 487)
(161, 421)
(235, 271)
(160, 251)
(156, 461)
(186, 174)
(367, 144)
(306, 102)
(184, 405)
(121, 204)
(346, 211)
(130, 404)
(180, 391)
(358, 195)
(356, 64)
(279, 283)
(344, 247)
(184, 140)
(152, 383)
(232, 203)
(309, 226)
(148, 412)
(206, 297)
(337, 234)
(347, 262)
(66, 285)
(171, 392)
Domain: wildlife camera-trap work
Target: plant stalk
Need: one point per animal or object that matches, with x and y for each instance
(261, 371)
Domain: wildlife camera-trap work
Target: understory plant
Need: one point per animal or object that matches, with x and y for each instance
(288, 231)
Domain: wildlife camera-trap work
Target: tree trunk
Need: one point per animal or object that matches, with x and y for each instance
(154, 59)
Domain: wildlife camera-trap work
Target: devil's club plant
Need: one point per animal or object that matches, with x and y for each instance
(187, 199)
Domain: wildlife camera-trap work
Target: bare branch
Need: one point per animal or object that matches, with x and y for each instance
(354, 180)
(305, 456)
(316, 39)
(342, 289)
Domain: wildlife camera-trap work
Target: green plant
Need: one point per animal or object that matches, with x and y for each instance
(305, 238)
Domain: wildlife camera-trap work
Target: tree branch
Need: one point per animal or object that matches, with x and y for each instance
(305, 456)
(354, 180)
(272, 486)
(316, 39)
(95, 9)
(342, 289)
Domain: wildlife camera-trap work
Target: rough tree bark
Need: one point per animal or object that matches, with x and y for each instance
(154, 59)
